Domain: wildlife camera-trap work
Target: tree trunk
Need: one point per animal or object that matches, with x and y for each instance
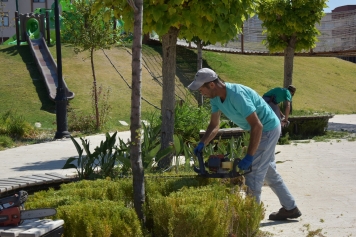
(169, 42)
(135, 119)
(95, 89)
(288, 61)
(146, 38)
(199, 66)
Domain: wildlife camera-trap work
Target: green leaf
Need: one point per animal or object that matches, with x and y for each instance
(68, 164)
(124, 161)
(152, 153)
(164, 153)
(172, 11)
(79, 149)
(177, 141)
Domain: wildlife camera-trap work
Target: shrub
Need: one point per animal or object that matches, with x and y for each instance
(86, 122)
(173, 207)
(99, 163)
(212, 210)
(188, 121)
(6, 141)
(15, 125)
(79, 121)
(88, 208)
(106, 219)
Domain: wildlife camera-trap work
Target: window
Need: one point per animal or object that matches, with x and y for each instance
(39, 0)
(4, 19)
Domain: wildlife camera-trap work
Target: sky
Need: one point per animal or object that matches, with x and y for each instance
(337, 3)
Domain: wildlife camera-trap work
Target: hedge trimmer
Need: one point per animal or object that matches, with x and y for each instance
(219, 166)
(12, 210)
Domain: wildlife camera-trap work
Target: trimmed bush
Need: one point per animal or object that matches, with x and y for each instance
(100, 219)
(213, 210)
(174, 207)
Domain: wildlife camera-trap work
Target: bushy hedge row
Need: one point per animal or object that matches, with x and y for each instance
(173, 207)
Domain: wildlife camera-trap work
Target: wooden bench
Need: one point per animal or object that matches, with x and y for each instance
(225, 133)
(34, 228)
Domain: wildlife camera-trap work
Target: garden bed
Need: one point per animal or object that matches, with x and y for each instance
(306, 126)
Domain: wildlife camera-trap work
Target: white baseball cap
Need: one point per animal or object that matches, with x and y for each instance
(204, 75)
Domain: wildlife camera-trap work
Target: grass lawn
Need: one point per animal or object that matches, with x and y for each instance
(323, 84)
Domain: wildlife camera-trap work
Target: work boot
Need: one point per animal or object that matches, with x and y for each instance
(283, 214)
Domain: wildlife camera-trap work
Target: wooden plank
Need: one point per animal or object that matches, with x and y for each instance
(5, 189)
(55, 174)
(6, 185)
(58, 176)
(8, 181)
(45, 177)
(28, 182)
(34, 178)
(14, 231)
(42, 229)
(13, 184)
(29, 179)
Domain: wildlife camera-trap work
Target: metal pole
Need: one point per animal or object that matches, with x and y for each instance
(17, 5)
(61, 97)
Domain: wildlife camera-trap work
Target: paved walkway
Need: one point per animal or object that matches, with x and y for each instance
(320, 175)
(45, 157)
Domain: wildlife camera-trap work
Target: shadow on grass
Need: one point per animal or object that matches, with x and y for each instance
(37, 80)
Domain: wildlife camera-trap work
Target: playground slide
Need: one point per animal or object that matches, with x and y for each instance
(46, 65)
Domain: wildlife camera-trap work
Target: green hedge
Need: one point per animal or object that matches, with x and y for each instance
(173, 207)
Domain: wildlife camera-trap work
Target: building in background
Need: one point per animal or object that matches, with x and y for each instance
(344, 30)
(8, 9)
(337, 32)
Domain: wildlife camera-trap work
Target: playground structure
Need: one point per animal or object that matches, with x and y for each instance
(34, 28)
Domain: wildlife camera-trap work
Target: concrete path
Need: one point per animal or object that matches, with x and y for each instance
(320, 175)
(45, 157)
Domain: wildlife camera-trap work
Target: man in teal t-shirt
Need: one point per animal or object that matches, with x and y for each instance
(247, 109)
(277, 95)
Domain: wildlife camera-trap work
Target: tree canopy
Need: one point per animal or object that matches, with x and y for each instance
(290, 27)
(285, 19)
(214, 21)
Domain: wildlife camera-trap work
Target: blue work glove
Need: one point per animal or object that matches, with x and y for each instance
(199, 148)
(246, 162)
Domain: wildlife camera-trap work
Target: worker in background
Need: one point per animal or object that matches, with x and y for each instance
(277, 95)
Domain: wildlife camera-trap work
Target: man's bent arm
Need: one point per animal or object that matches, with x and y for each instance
(255, 133)
(212, 129)
(286, 112)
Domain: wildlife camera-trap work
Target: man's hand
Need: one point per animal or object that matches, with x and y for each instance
(199, 148)
(285, 123)
(246, 162)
